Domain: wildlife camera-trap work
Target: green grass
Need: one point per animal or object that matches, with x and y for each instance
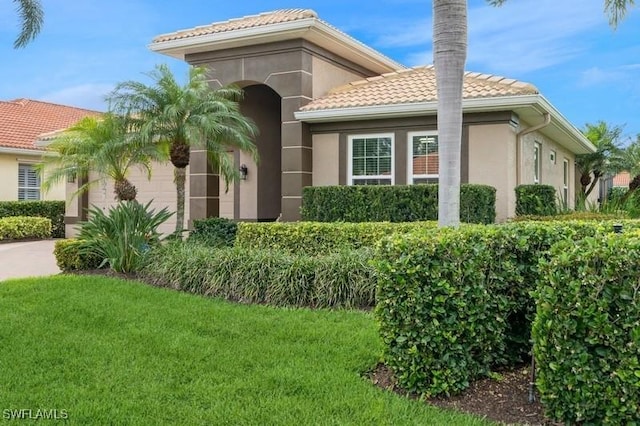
(110, 351)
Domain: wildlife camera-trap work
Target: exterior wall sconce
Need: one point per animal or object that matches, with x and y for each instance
(243, 172)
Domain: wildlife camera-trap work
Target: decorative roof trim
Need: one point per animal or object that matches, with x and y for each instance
(311, 29)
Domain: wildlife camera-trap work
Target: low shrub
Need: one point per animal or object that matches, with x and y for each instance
(397, 203)
(536, 200)
(69, 257)
(123, 235)
(592, 216)
(54, 210)
(214, 231)
(587, 331)
(336, 280)
(24, 227)
(319, 237)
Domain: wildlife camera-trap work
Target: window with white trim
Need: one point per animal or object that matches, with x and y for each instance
(565, 180)
(423, 157)
(537, 161)
(28, 182)
(371, 159)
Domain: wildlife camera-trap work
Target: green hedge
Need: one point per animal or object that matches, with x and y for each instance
(319, 237)
(592, 216)
(399, 203)
(336, 280)
(454, 303)
(537, 200)
(587, 331)
(53, 210)
(23, 227)
(69, 257)
(214, 231)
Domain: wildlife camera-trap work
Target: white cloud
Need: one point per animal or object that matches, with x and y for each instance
(89, 96)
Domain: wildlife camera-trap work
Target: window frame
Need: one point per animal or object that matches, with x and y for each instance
(26, 187)
(566, 178)
(350, 175)
(537, 162)
(410, 176)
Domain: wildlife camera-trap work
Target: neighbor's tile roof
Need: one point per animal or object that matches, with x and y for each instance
(622, 179)
(414, 85)
(263, 19)
(22, 121)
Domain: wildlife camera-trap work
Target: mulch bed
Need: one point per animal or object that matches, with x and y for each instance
(503, 399)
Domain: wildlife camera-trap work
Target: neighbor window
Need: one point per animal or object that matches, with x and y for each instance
(371, 159)
(28, 182)
(537, 163)
(565, 180)
(423, 157)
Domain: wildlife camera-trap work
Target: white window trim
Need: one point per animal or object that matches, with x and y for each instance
(566, 178)
(537, 164)
(351, 177)
(410, 175)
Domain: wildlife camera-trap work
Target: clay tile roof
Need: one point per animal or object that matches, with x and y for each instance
(415, 85)
(22, 121)
(263, 19)
(622, 179)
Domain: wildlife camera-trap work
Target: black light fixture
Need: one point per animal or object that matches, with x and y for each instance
(243, 172)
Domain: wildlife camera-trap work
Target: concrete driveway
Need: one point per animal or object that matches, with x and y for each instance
(27, 259)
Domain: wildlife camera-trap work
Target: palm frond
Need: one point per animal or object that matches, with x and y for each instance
(31, 20)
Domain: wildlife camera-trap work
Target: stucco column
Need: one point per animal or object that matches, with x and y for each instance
(204, 188)
(297, 160)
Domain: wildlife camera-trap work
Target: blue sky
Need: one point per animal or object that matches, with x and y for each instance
(564, 47)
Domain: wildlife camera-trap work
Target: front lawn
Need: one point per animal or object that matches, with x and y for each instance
(108, 351)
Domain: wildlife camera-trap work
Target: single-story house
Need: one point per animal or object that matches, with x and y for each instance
(22, 122)
(333, 111)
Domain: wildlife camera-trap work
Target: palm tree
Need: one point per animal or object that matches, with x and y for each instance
(630, 162)
(181, 117)
(594, 165)
(105, 145)
(31, 19)
(449, 55)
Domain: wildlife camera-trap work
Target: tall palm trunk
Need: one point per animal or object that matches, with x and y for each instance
(179, 154)
(449, 56)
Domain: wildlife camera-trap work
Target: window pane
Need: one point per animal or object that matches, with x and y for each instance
(358, 166)
(385, 166)
(385, 147)
(372, 166)
(372, 181)
(358, 148)
(425, 180)
(425, 154)
(371, 148)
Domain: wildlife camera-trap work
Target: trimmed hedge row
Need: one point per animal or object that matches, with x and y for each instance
(24, 227)
(214, 231)
(53, 210)
(536, 200)
(593, 216)
(319, 237)
(454, 303)
(397, 203)
(337, 280)
(587, 331)
(69, 256)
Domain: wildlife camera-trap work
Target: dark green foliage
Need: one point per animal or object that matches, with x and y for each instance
(123, 235)
(24, 227)
(214, 231)
(454, 303)
(398, 203)
(320, 237)
(536, 200)
(69, 258)
(587, 331)
(572, 216)
(343, 279)
(53, 210)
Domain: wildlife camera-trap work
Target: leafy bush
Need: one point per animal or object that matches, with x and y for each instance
(572, 216)
(53, 210)
(537, 200)
(587, 331)
(319, 237)
(398, 203)
(69, 258)
(453, 303)
(341, 279)
(123, 235)
(214, 231)
(23, 227)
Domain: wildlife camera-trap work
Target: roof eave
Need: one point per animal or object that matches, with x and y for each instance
(581, 143)
(20, 151)
(311, 29)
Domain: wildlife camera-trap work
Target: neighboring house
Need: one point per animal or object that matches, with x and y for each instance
(333, 111)
(22, 122)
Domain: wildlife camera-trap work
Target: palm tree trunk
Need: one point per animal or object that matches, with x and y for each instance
(449, 56)
(180, 174)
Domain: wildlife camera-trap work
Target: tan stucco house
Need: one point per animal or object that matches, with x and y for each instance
(22, 122)
(333, 111)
